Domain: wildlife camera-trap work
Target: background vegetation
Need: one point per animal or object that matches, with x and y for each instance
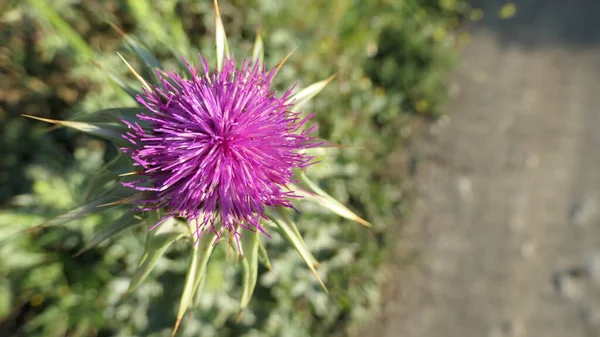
(391, 58)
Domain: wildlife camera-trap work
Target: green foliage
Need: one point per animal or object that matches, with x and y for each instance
(412, 56)
(389, 58)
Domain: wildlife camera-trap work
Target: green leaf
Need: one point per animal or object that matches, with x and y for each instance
(145, 15)
(258, 52)
(326, 200)
(283, 213)
(306, 94)
(5, 299)
(222, 48)
(110, 131)
(81, 47)
(116, 79)
(264, 257)
(98, 205)
(201, 253)
(108, 173)
(149, 59)
(177, 55)
(290, 234)
(159, 239)
(282, 62)
(124, 222)
(178, 35)
(250, 244)
(158, 24)
(83, 328)
(110, 115)
(136, 75)
(198, 294)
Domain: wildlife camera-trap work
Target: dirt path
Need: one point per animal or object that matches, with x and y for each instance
(507, 221)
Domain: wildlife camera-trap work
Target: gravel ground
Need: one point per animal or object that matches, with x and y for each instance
(506, 224)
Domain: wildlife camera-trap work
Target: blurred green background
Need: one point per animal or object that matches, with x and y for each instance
(391, 58)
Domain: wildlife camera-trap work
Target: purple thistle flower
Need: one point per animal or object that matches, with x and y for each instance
(217, 147)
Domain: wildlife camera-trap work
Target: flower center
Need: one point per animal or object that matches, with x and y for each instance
(223, 143)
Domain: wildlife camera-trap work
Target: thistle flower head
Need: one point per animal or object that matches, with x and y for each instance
(217, 148)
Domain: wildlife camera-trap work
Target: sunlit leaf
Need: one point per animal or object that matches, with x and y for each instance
(144, 14)
(264, 257)
(5, 298)
(150, 60)
(87, 208)
(109, 173)
(220, 38)
(128, 200)
(250, 244)
(117, 80)
(124, 222)
(291, 235)
(258, 52)
(201, 253)
(282, 62)
(159, 239)
(110, 131)
(110, 115)
(327, 201)
(178, 34)
(137, 76)
(306, 94)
